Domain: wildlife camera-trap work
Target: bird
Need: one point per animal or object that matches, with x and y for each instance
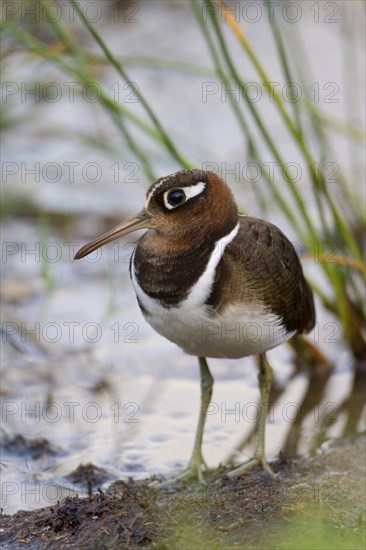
(216, 283)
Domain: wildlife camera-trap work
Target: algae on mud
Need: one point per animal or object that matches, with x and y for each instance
(315, 504)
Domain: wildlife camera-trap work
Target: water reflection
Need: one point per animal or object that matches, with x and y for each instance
(325, 414)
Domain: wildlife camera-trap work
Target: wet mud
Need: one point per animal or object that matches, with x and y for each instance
(322, 496)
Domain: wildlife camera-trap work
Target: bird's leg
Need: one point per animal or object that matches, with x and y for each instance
(265, 379)
(197, 462)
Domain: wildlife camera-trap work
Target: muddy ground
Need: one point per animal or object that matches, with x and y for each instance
(315, 503)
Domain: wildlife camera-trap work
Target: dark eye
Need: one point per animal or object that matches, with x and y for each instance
(176, 197)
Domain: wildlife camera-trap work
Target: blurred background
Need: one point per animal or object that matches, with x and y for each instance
(98, 100)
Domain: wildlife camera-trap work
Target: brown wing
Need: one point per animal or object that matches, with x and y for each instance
(260, 266)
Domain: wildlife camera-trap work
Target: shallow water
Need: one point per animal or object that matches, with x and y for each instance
(80, 366)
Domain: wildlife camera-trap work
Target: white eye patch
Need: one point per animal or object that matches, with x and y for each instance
(171, 199)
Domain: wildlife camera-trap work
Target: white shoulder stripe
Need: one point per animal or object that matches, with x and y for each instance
(199, 293)
(202, 289)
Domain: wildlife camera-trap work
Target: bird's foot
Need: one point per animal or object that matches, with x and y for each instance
(194, 471)
(257, 459)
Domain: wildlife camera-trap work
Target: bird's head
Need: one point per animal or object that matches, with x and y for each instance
(189, 204)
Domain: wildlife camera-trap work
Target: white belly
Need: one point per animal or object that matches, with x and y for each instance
(236, 332)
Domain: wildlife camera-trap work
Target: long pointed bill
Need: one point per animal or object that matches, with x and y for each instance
(142, 220)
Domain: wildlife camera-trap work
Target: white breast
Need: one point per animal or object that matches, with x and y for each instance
(236, 332)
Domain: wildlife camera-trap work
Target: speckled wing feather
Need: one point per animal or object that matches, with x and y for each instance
(261, 267)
